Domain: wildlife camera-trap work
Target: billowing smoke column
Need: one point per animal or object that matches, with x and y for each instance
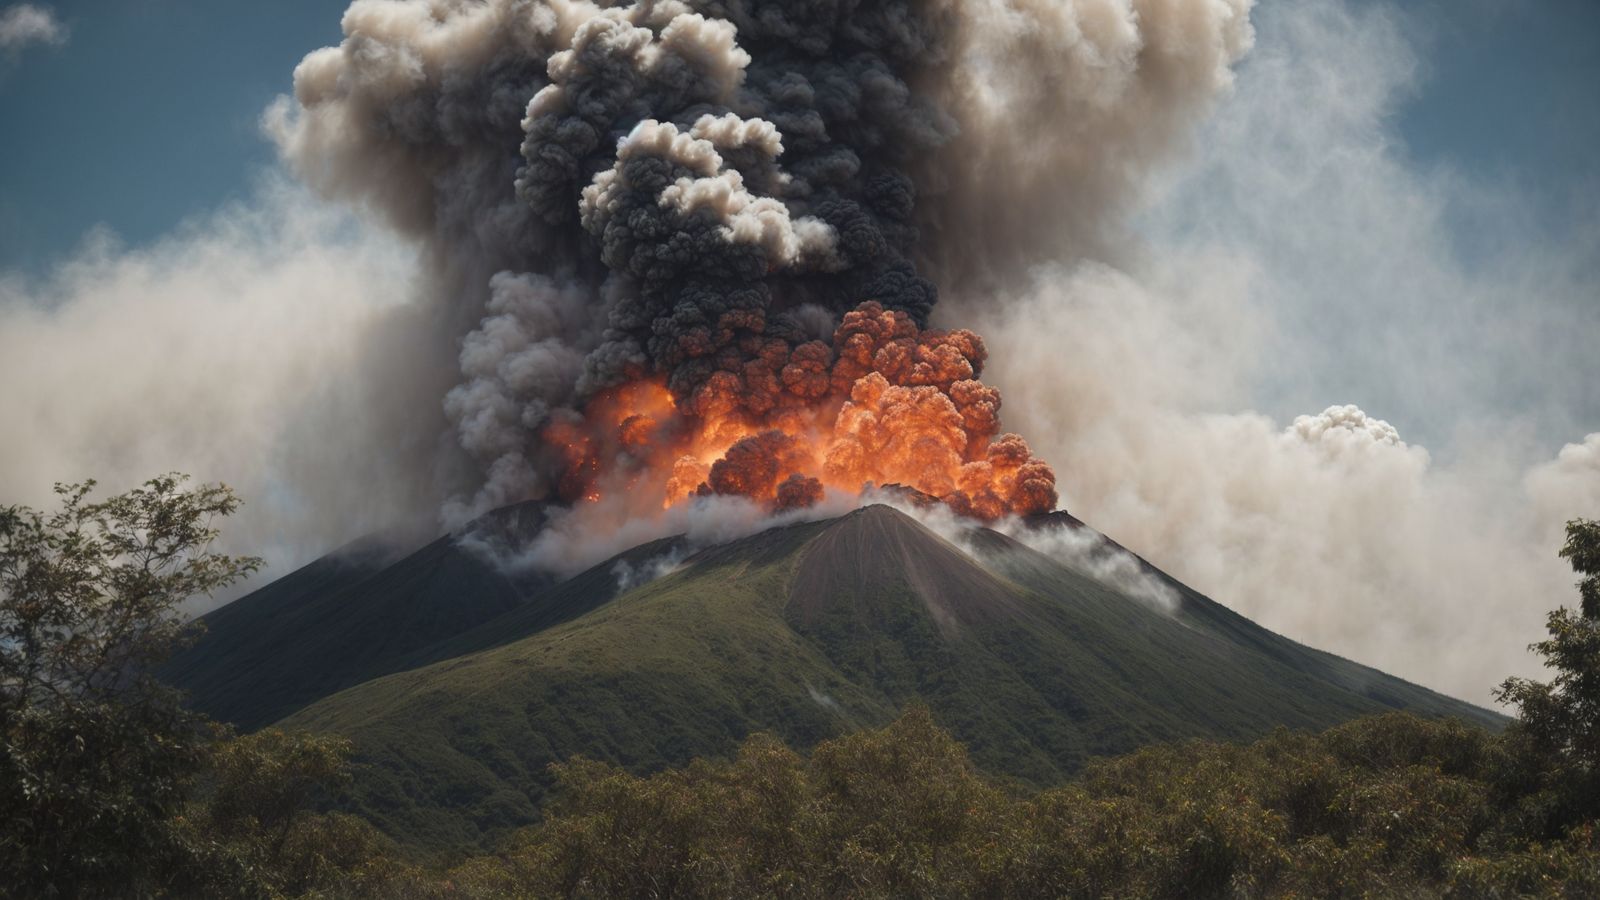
(704, 226)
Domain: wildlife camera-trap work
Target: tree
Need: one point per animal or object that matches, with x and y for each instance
(95, 752)
(252, 824)
(1558, 723)
(1582, 550)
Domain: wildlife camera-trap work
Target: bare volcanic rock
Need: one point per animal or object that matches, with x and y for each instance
(875, 551)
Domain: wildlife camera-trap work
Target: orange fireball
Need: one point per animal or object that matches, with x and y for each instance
(886, 404)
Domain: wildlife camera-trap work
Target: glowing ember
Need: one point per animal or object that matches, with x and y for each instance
(887, 403)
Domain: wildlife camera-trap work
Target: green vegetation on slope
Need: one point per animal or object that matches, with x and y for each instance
(675, 669)
(812, 631)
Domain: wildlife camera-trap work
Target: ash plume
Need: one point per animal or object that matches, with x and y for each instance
(606, 194)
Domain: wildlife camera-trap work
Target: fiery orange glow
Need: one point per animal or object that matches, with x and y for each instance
(886, 404)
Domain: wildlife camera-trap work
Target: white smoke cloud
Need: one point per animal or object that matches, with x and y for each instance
(716, 190)
(1568, 486)
(1413, 289)
(1065, 110)
(261, 346)
(23, 25)
(823, 700)
(630, 576)
(1347, 539)
(1298, 257)
(1345, 429)
(1087, 552)
(585, 535)
(1083, 550)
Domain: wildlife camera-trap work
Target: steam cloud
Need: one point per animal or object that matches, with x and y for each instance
(1299, 255)
(268, 347)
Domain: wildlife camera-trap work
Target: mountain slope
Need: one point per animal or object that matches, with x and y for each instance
(811, 630)
(1203, 612)
(337, 622)
(365, 611)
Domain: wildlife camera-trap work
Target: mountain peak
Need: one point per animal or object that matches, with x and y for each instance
(878, 550)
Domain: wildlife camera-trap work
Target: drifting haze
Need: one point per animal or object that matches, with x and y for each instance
(23, 25)
(1293, 263)
(267, 347)
(1297, 261)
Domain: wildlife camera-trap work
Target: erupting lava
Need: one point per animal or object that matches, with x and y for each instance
(887, 403)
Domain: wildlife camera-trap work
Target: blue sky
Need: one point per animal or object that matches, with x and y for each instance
(1510, 90)
(148, 113)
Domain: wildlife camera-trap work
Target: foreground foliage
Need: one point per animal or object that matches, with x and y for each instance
(109, 787)
(1393, 805)
(93, 752)
(1557, 731)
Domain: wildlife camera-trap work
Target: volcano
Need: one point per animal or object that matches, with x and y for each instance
(460, 685)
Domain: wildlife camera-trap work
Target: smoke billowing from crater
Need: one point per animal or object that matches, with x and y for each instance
(281, 346)
(694, 248)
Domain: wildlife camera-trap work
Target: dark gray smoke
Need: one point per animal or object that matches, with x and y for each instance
(606, 191)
